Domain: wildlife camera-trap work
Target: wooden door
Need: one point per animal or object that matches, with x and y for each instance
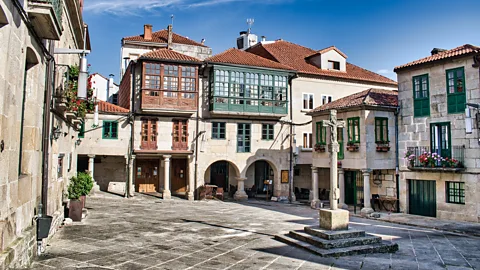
(422, 199)
(149, 134)
(180, 135)
(179, 176)
(147, 172)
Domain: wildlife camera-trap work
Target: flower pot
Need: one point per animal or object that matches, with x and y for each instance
(83, 199)
(75, 210)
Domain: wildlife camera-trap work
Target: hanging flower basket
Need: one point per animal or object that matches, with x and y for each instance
(353, 147)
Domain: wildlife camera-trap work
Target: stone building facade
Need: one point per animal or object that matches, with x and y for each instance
(367, 157)
(30, 31)
(433, 94)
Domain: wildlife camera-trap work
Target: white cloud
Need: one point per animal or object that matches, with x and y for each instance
(136, 7)
(384, 71)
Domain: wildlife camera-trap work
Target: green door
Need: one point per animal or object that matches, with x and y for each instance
(422, 198)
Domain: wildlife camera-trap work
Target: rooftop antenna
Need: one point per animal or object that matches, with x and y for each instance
(172, 19)
(250, 23)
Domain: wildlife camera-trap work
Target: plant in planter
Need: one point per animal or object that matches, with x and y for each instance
(429, 159)
(75, 206)
(86, 182)
(383, 146)
(410, 157)
(320, 147)
(79, 107)
(352, 147)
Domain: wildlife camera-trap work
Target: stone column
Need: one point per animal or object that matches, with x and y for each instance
(191, 184)
(131, 174)
(341, 186)
(367, 209)
(315, 201)
(91, 165)
(240, 195)
(166, 190)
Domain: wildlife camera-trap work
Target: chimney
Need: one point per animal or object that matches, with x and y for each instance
(170, 36)
(147, 32)
(264, 38)
(437, 51)
(203, 41)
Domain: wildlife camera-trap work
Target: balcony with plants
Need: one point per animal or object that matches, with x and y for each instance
(424, 158)
(46, 17)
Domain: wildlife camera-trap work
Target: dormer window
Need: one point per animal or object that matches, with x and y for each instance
(334, 65)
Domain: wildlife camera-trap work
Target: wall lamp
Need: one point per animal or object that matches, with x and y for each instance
(78, 142)
(56, 132)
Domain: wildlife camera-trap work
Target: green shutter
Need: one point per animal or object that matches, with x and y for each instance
(456, 89)
(81, 133)
(421, 96)
(341, 153)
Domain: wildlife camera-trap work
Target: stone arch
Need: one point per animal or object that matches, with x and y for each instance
(221, 173)
(235, 167)
(31, 58)
(269, 160)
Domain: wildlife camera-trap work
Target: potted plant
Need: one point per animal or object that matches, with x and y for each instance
(339, 164)
(410, 157)
(352, 147)
(383, 146)
(75, 205)
(86, 182)
(319, 147)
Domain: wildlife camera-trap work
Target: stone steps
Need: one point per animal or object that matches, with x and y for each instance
(382, 247)
(333, 235)
(336, 243)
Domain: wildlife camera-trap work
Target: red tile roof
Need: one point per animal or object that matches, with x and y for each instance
(329, 49)
(110, 108)
(162, 37)
(239, 57)
(370, 97)
(459, 51)
(295, 56)
(169, 55)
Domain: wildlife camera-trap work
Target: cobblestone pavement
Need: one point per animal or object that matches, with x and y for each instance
(148, 233)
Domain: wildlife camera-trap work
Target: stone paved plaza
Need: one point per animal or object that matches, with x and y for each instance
(148, 233)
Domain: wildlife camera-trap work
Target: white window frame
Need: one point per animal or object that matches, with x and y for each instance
(308, 96)
(327, 97)
(309, 140)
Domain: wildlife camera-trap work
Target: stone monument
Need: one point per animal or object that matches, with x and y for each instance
(333, 218)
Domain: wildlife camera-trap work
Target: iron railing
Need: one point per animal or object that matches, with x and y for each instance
(442, 158)
(57, 7)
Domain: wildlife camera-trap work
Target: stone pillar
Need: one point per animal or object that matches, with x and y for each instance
(166, 190)
(315, 201)
(131, 174)
(191, 184)
(341, 186)
(367, 209)
(91, 165)
(240, 195)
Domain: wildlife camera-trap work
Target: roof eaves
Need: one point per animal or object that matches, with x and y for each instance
(247, 66)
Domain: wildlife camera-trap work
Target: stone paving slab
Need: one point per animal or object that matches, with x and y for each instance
(148, 233)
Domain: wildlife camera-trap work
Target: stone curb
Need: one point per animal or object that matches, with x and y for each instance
(420, 226)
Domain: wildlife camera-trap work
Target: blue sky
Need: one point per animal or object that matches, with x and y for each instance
(375, 34)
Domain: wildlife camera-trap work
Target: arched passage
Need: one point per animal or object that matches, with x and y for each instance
(257, 173)
(222, 173)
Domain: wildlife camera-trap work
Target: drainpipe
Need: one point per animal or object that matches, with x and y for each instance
(290, 186)
(197, 128)
(132, 130)
(397, 165)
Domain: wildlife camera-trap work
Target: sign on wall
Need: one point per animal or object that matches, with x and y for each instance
(285, 176)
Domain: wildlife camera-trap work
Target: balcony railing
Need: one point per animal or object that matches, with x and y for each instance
(46, 17)
(161, 99)
(248, 105)
(57, 7)
(426, 158)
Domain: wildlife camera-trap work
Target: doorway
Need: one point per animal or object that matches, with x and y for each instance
(219, 174)
(147, 176)
(263, 172)
(422, 198)
(354, 189)
(179, 176)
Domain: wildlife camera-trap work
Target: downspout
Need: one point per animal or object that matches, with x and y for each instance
(132, 130)
(46, 129)
(290, 187)
(197, 128)
(397, 164)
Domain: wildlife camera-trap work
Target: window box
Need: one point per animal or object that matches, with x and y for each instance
(383, 146)
(353, 147)
(322, 148)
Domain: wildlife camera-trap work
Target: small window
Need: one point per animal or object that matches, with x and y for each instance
(353, 130)
(381, 130)
(60, 165)
(267, 132)
(308, 101)
(455, 192)
(456, 97)
(243, 138)
(421, 99)
(321, 134)
(307, 140)
(334, 65)
(110, 130)
(81, 133)
(115, 99)
(326, 99)
(218, 130)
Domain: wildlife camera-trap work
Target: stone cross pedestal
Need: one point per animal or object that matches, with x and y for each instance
(333, 218)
